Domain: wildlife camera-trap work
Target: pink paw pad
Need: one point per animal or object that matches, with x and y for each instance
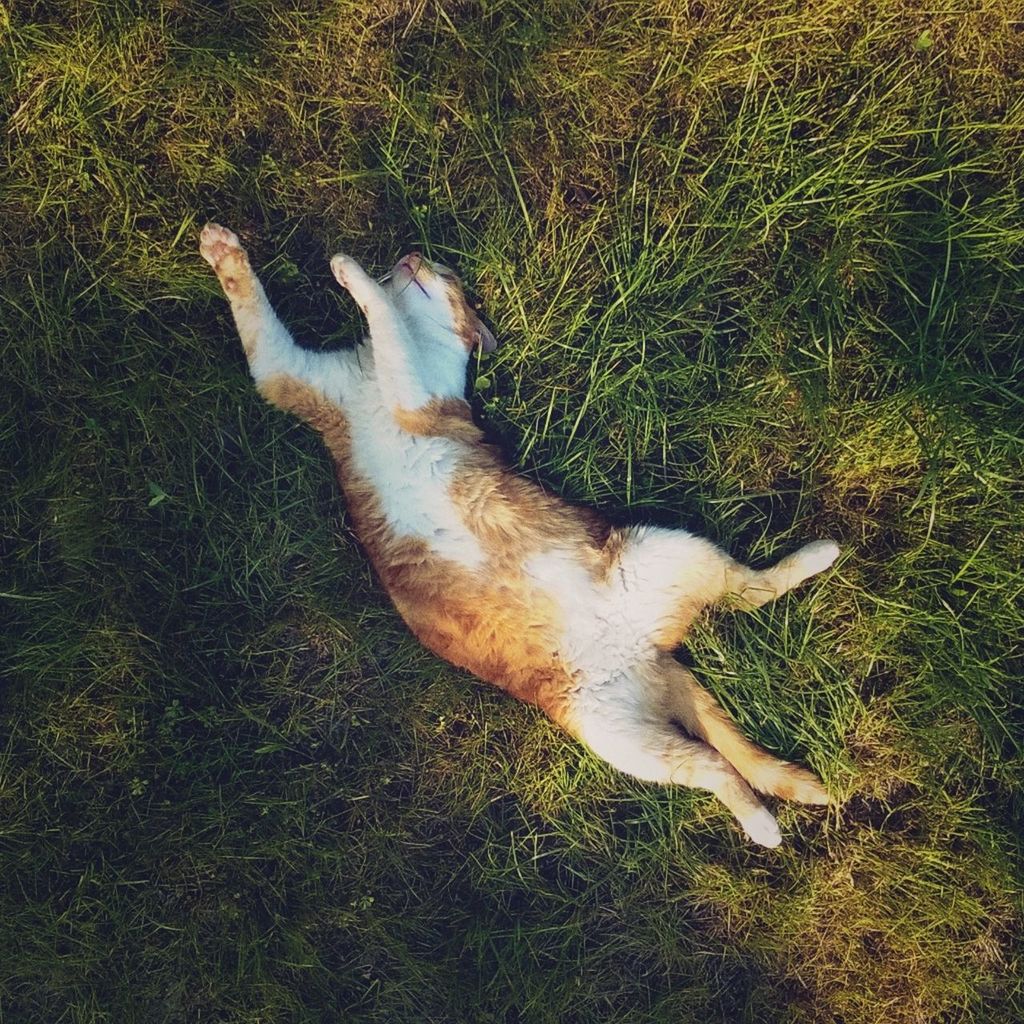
(223, 251)
(216, 243)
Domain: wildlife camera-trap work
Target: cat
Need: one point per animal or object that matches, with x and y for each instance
(495, 574)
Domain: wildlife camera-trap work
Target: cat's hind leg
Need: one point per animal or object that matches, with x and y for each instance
(274, 358)
(645, 743)
(702, 716)
(751, 588)
(661, 579)
(665, 577)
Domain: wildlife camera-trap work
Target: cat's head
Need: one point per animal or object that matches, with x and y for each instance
(429, 298)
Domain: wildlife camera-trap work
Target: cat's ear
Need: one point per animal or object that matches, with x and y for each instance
(481, 335)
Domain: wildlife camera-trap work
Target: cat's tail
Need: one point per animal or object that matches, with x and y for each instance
(702, 716)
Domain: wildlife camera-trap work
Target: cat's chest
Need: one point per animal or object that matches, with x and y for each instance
(411, 479)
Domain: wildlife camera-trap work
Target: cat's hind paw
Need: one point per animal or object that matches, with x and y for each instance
(221, 248)
(762, 828)
(817, 556)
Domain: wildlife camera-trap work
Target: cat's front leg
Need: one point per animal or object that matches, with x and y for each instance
(269, 348)
(264, 337)
(399, 376)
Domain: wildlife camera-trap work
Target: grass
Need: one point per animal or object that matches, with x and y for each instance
(758, 274)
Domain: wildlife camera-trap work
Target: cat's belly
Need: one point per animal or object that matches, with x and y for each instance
(544, 630)
(594, 634)
(522, 611)
(410, 479)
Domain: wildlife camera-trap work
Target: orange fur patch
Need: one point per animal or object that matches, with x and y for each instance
(515, 517)
(508, 513)
(467, 324)
(441, 417)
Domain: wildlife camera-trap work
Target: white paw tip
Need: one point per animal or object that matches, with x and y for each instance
(339, 264)
(762, 828)
(218, 233)
(817, 557)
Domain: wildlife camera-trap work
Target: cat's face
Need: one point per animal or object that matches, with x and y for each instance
(429, 298)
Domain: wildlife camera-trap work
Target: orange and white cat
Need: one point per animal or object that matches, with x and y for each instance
(495, 574)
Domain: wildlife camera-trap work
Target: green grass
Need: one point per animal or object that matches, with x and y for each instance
(758, 274)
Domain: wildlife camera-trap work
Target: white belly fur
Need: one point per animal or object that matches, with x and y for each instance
(412, 477)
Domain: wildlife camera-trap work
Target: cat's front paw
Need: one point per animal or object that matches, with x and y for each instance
(342, 267)
(223, 251)
(355, 281)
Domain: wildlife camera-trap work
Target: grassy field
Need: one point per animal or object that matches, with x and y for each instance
(760, 275)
